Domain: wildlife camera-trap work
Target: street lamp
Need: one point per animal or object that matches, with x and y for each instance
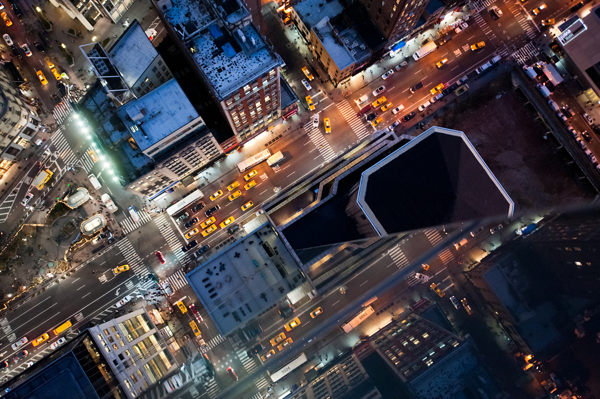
(38, 9)
(63, 45)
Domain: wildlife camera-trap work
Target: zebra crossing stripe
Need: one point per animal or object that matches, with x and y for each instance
(172, 239)
(525, 53)
(398, 257)
(215, 341)
(177, 280)
(446, 256)
(355, 123)
(128, 225)
(132, 258)
(248, 363)
(433, 236)
(62, 111)
(411, 279)
(261, 383)
(319, 141)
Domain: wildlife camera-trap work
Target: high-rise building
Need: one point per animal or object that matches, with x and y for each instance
(18, 123)
(239, 69)
(89, 11)
(395, 18)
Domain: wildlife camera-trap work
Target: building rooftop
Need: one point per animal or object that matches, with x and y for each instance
(313, 11)
(288, 96)
(93, 224)
(157, 114)
(80, 197)
(365, 27)
(336, 49)
(437, 178)
(186, 16)
(229, 61)
(132, 41)
(355, 44)
(245, 280)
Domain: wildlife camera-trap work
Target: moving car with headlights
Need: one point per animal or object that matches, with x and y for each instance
(232, 374)
(191, 233)
(316, 312)
(477, 46)
(284, 344)
(6, 19)
(227, 221)
(247, 205)
(42, 78)
(386, 107)
(455, 302)
(315, 121)
(379, 101)
(8, 40)
(548, 22)
(441, 63)
(497, 11)
(120, 269)
(539, 9)
(277, 339)
(437, 290)
(40, 339)
(327, 124)
(387, 74)
(307, 73)
(181, 307)
(306, 84)
(437, 89)
(398, 109)
(216, 195)
(123, 301)
(292, 324)
(416, 87)
(19, 343)
(160, 257)
(376, 122)
(250, 175)
(267, 355)
(20, 356)
(25, 48)
(212, 210)
(211, 229)
(466, 306)
(378, 91)
(309, 103)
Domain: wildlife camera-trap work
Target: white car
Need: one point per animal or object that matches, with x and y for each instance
(58, 343)
(123, 301)
(378, 91)
(397, 109)
(27, 198)
(29, 364)
(387, 74)
(19, 343)
(173, 383)
(1, 6)
(306, 84)
(497, 11)
(316, 121)
(588, 119)
(422, 277)
(7, 39)
(25, 48)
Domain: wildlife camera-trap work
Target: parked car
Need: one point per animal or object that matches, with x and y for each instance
(123, 301)
(189, 246)
(212, 210)
(371, 116)
(496, 229)
(58, 343)
(588, 119)
(182, 217)
(416, 87)
(198, 207)
(387, 74)
(306, 84)
(20, 356)
(203, 250)
(191, 223)
(408, 117)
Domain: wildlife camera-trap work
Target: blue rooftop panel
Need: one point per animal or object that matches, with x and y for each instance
(229, 51)
(215, 31)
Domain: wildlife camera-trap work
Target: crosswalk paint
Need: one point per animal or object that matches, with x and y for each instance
(412, 280)
(260, 383)
(433, 236)
(212, 389)
(215, 341)
(164, 226)
(355, 123)
(481, 5)
(525, 53)
(8, 202)
(398, 257)
(258, 395)
(248, 362)
(132, 258)
(319, 141)
(177, 280)
(62, 111)
(446, 256)
(486, 29)
(128, 224)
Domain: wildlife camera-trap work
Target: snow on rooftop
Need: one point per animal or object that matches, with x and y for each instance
(232, 61)
(158, 114)
(338, 52)
(133, 41)
(313, 11)
(183, 12)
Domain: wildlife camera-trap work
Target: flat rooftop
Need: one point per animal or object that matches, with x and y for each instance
(133, 41)
(247, 279)
(437, 178)
(229, 61)
(336, 49)
(158, 114)
(313, 11)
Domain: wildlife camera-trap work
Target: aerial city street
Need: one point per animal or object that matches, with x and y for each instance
(300, 199)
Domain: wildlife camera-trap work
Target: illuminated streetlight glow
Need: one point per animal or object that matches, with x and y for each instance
(63, 45)
(115, 178)
(38, 9)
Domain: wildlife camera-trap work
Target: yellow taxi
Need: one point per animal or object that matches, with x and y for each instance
(42, 78)
(547, 22)
(40, 339)
(93, 155)
(376, 122)
(437, 290)
(191, 233)
(327, 124)
(441, 63)
(50, 64)
(537, 10)
(233, 186)
(181, 307)
(307, 73)
(284, 344)
(235, 195)
(466, 306)
(267, 355)
(6, 19)
(425, 266)
(386, 107)
(250, 185)
(477, 46)
(250, 175)
(121, 269)
(216, 195)
(55, 73)
(211, 229)
(195, 328)
(227, 221)
(278, 338)
(292, 324)
(379, 101)
(247, 205)
(437, 89)
(316, 312)
(208, 222)
(310, 103)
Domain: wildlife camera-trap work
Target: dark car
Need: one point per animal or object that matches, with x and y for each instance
(255, 349)
(20, 355)
(56, 99)
(16, 52)
(191, 223)
(38, 46)
(17, 11)
(198, 207)
(372, 116)
(568, 111)
(408, 117)
(203, 249)
(3, 365)
(586, 136)
(233, 229)
(61, 87)
(449, 90)
(190, 245)
(393, 125)
(285, 309)
(577, 6)
(416, 87)
(212, 210)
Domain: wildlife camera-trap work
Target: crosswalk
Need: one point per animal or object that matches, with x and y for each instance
(319, 141)
(62, 111)
(522, 18)
(411, 279)
(128, 224)
(215, 341)
(525, 53)
(164, 226)
(258, 395)
(260, 382)
(491, 36)
(134, 261)
(211, 388)
(446, 256)
(177, 280)
(355, 123)
(248, 362)
(398, 257)
(433, 236)
(8, 202)
(86, 160)
(481, 5)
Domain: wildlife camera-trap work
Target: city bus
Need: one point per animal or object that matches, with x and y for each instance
(359, 318)
(134, 214)
(65, 326)
(288, 368)
(254, 160)
(184, 202)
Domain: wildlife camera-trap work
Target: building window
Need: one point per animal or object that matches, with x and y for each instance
(154, 69)
(160, 63)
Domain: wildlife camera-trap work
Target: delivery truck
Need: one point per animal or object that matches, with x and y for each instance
(42, 178)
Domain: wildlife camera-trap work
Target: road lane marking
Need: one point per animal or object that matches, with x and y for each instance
(80, 287)
(335, 303)
(291, 173)
(263, 192)
(86, 295)
(365, 282)
(78, 278)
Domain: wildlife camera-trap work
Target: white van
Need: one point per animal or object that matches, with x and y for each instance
(543, 89)
(424, 106)
(362, 100)
(95, 182)
(530, 71)
(553, 105)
